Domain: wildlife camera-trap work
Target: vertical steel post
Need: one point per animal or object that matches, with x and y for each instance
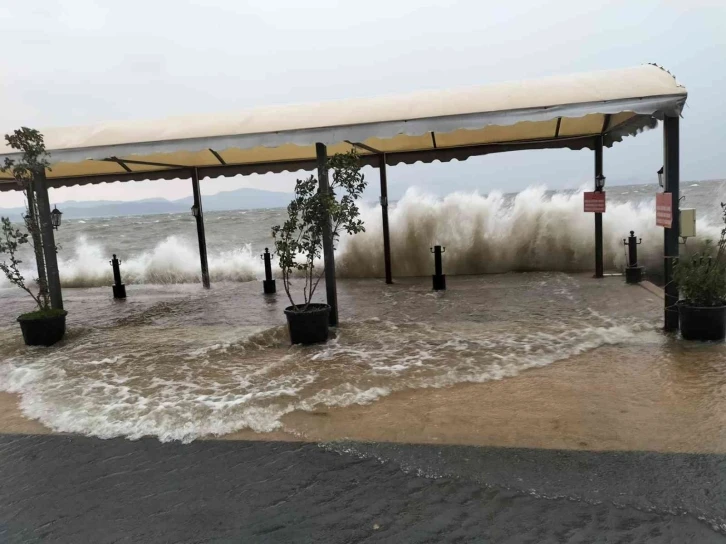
(49, 250)
(321, 152)
(37, 242)
(671, 163)
(598, 216)
(384, 212)
(199, 216)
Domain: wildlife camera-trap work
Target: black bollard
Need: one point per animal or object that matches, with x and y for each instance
(633, 272)
(438, 277)
(119, 289)
(268, 284)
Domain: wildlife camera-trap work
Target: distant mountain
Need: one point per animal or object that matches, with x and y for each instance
(239, 199)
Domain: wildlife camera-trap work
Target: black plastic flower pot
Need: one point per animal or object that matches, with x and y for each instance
(43, 330)
(309, 326)
(702, 322)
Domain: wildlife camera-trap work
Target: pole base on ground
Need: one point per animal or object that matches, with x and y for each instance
(119, 291)
(269, 287)
(634, 274)
(439, 282)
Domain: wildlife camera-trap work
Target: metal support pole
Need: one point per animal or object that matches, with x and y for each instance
(34, 228)
(598, 216)
(328, 249)
(384, 212)
(199, 216)
(671, 164)
(49, 250)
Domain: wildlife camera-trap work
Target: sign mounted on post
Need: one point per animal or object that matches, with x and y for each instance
(664, 210)
(595, 202)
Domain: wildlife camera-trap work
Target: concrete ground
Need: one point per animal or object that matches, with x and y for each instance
(73, 489)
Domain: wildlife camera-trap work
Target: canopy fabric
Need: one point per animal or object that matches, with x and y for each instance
(566, 111)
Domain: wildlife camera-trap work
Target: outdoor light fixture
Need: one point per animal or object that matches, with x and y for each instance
(55, 217)
(599, 182)
(661, 181)
(195, 211)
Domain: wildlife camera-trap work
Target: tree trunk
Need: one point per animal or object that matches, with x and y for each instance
(34, 227)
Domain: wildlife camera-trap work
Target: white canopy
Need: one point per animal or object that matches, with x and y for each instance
(566, 111)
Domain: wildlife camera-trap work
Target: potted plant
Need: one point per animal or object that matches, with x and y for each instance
(299, 241)
(44, 326)
(701, 282)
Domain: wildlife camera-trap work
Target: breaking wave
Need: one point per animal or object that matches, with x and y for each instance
(496, 233)
(172, 261)
(530, 231)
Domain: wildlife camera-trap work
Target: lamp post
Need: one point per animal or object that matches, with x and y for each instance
(195, 211)
(55, 217)
(599, 182)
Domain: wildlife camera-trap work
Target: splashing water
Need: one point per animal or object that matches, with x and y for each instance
(494, 234)
(532, 230)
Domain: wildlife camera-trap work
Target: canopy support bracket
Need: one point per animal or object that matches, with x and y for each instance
(121, 163)
(365, 147)
(218, 157)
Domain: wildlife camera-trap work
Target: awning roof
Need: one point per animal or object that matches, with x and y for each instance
(566, 111)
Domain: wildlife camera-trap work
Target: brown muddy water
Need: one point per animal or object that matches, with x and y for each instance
(545, 360)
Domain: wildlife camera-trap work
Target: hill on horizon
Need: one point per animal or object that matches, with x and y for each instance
(239, 199)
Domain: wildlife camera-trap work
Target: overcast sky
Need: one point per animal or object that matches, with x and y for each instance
(70, 62)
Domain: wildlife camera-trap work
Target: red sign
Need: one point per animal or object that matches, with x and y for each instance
(595, 202)
(664, 209)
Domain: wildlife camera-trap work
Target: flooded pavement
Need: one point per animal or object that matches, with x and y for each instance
(533, 407)
(181, 363)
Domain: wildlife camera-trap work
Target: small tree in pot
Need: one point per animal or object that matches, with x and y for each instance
(701, 281)
(45, 325)
(299, 241)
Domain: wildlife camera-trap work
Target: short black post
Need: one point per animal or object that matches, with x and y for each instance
(438, 277)
(633, 272)
(119, 289)
(268, 284)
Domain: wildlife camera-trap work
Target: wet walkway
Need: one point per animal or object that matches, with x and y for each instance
(76, 489)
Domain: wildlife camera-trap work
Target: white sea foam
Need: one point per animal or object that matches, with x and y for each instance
(172, 261)
(171, 388)
(482, 234)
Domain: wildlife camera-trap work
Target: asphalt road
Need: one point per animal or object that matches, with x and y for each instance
(75, 489)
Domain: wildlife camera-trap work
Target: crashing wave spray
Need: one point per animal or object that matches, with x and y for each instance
(171, 261)
(532, 230)
(496, 233)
